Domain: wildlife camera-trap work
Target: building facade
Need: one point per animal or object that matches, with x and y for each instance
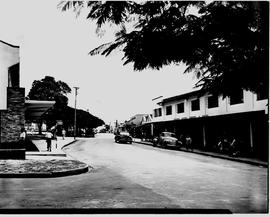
(13, 106)
(11, 94)
(208, 118)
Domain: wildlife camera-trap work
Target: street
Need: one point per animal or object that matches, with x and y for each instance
(140, 176)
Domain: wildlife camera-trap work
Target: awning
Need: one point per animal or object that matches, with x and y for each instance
(35, 108)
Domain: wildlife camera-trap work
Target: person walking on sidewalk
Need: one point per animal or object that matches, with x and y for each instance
(48, 137)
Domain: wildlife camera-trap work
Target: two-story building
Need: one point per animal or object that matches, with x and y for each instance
(243, 116)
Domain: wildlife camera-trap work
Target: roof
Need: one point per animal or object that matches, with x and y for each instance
(182, 96)
(157, 98)
(11, 45)
(136, 119)
(36, 108)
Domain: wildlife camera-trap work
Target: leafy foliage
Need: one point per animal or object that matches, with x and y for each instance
(49, 89)
(66, 114)
(226, 43)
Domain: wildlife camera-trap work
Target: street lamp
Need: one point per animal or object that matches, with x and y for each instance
(76, 93)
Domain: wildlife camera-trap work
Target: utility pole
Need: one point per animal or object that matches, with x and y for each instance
(76, 93)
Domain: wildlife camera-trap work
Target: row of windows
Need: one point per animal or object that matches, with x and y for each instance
(212, 102)
(195, 105)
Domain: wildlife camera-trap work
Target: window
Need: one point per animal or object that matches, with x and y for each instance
(262, 94)
(157, 112)
(14, 76)
(195, 105)
(160, 112)
(168, 110)
(180, 107)
(237, 98)
(212, 101)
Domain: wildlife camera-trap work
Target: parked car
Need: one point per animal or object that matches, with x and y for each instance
(166, 139)
(123, 137)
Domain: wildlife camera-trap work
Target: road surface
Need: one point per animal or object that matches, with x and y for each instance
(139, 176)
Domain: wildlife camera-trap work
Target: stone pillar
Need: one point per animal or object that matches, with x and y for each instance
(13, 119)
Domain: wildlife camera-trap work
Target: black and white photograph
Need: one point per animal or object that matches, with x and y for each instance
(134, 107)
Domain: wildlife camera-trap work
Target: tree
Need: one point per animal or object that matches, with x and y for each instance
(49, 89)
(225, 43)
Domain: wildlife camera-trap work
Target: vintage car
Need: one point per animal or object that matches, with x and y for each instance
(123, 137)
(166, 139)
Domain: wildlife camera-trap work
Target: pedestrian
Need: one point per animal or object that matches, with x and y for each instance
(22, 136)
(48, 137)
(224, 145)
(182, 140)
(189, 143)
(234, 149)
(55, 137)
(63, 133)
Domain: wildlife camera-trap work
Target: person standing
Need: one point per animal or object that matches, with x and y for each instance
(49, 136)
(182, 142)
(23, 136)
(189, 143)
(63, 133)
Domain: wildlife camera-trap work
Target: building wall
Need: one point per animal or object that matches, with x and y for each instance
(12, 119)
(250, 104)
(247, 122)
(9, 55)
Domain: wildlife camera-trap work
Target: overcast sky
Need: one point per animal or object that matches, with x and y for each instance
(57, 43)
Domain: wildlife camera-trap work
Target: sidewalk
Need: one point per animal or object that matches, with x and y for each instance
(252, 161)
(43, 163)
(56, 147)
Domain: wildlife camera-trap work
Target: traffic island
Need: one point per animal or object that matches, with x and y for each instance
(41, 168)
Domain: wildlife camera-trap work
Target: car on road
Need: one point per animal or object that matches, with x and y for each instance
(123, 137)
(166, 139)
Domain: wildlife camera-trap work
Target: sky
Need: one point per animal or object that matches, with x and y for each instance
(57, 44)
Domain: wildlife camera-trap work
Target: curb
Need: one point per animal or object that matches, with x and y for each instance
(44, 154)
(70, 172)
(262, 164)
(52, 154)
(69, 143)
(47, 174)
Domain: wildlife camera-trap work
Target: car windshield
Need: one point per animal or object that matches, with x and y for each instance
(167, 134)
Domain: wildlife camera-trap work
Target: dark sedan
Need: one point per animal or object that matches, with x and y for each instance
(166, 139)
(123, 137)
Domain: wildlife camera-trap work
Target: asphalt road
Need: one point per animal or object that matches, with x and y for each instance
(139, 176)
